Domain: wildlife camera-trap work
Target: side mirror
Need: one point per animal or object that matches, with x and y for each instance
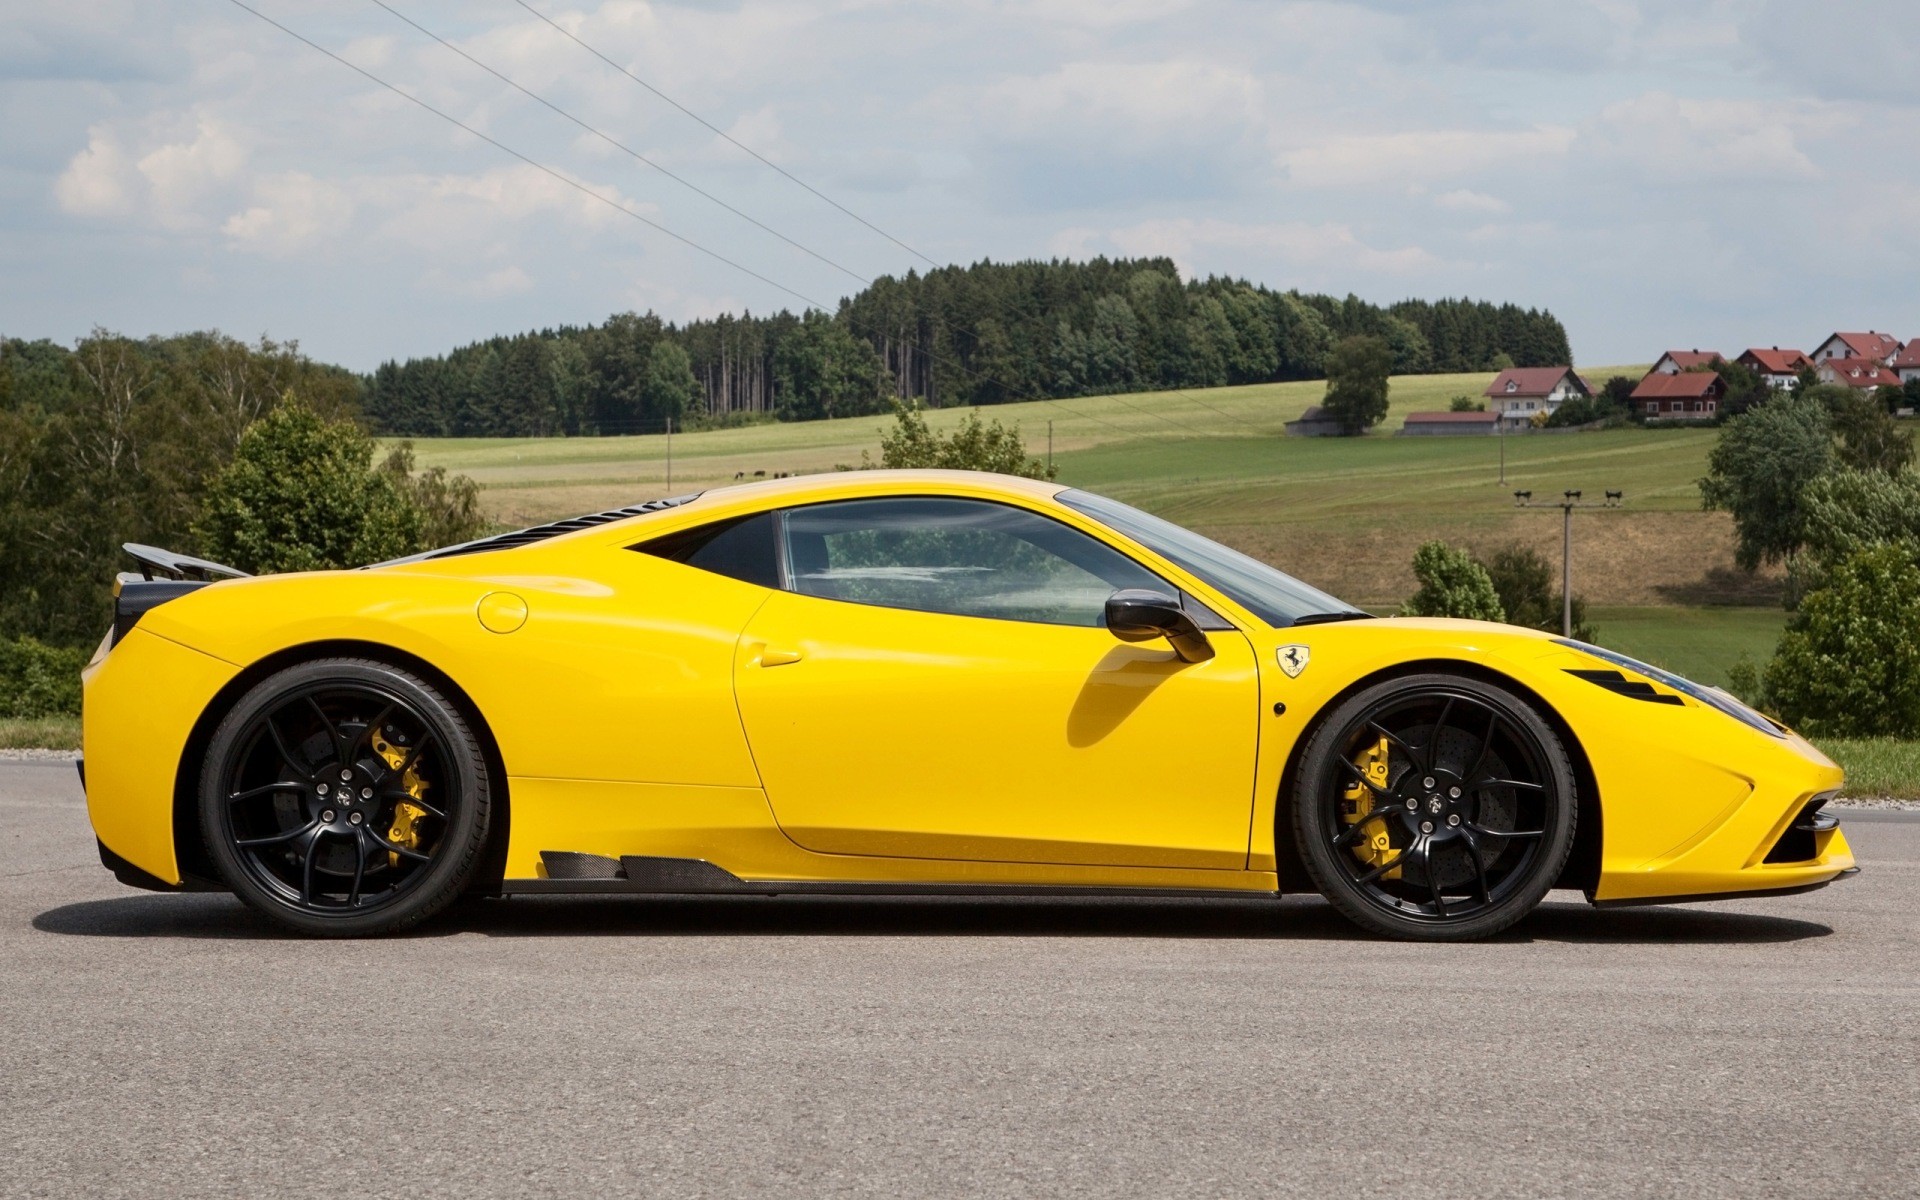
(1139, 615)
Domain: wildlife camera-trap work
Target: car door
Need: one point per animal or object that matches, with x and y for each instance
(935, 680)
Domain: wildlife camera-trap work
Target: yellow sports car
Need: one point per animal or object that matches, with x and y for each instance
(919, 682)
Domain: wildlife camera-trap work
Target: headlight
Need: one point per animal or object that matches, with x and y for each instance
(1709, 696)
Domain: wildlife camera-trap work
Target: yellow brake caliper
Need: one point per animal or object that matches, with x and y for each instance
(405, 830)
(1356, 806)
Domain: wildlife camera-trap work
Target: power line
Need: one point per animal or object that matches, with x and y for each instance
(623, 147)
(729, 138)
(623, 209)
(539, 166)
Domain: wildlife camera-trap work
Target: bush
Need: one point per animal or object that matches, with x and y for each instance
(1584, 410)
(1466, 404)
(1849, 662)
(301, 494)
(1451, 585)
(1523, 580)
(38, 680)
(973, 446)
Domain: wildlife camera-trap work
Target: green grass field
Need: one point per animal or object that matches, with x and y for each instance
(1343, 513)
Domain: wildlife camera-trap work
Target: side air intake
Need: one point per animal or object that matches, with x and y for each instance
(1633, 689)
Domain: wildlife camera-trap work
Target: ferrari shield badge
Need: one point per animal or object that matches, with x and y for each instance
(1293, 660)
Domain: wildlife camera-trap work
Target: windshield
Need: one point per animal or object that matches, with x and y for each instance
(1274, 596)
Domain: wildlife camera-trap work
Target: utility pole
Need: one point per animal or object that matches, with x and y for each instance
(1500, 428)
(1568, 501)
(1049, 447)
(669, 456)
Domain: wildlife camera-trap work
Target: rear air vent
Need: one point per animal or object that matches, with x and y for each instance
(1634, 689)
(540, 533)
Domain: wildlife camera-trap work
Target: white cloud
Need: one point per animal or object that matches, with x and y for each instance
(1466, 200)
(1679, 139)
(1424, 156)
(290, 213)
(95, 181)
(179, 174)
(1296, 243)
(1180, 98)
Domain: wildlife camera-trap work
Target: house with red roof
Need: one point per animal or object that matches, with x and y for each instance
(1906, 364)
(1780, 368)
(1873, 346)
(1675, 361)
(1687, 396)
(1520, 392)
(1857, 373)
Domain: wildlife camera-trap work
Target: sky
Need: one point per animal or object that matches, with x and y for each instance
(1692, 173)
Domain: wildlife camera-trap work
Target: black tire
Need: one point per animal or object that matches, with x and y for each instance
(297, 803)
(1477, 801)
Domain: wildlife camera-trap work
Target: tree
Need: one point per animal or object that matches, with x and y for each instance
(970, 447)
(1523, 580)
(301, 494)
(1357, 373)
(1759, 470)
(1849, 662)
(670, 390)
(1466, 404)
(1870, 438)
(821, 370)
(448, 505)
(1451, 585)
(1745, 387)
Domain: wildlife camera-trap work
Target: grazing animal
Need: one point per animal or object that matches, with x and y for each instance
(739, 474)
(759, 474)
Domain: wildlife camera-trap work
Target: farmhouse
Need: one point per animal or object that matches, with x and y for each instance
(1780, 368)
(1521, 392)
(1675, 361)
(1449, 424)
(1857, 373)
(1314, 423)
(1872, 346)
(1688, 396)
(1906, 364)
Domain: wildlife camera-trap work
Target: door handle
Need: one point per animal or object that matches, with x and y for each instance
(773, 657)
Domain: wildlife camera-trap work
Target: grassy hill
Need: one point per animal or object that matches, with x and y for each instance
(1345, 513)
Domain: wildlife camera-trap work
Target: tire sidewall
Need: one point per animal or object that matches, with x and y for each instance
(1312, 819)
(461, 844)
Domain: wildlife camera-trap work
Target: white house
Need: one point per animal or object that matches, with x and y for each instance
(1872, 346)
(1675, 361)
(1780, 368)
(1520, 392)
(1906, 364)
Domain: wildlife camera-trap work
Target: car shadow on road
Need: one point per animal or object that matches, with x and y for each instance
(1296, 918)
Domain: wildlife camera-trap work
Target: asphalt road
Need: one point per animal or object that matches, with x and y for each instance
(174, 1045)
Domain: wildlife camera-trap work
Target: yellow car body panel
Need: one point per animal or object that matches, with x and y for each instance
(644, 707)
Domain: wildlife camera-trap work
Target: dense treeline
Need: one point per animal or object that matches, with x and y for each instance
(126, 440)
(984, 334)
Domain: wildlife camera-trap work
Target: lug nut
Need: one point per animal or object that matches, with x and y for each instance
(1453, 818)
(327, 815)
(1426, 827)
(1412, 804)
(321, 788)
(355, 818)
(1454, 792)
(366, 793)
(345, 775)
(1428, 782)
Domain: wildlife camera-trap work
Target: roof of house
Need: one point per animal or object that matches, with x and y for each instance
(1691, 358)
(1314, 413)
(1775, 361)
(1530, 381)
(1687, 385)
(1858, 372)
(1452, 418)
(1909, 356)
(1871, 344)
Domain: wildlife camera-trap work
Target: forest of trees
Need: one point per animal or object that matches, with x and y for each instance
(983, 334)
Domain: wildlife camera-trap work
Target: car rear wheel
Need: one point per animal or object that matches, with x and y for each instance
(345, 797)
(1434, 807)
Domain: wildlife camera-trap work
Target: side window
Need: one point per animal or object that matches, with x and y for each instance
(964, 557)
(742, 548)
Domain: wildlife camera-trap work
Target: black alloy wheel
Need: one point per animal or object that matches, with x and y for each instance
(345, 797)
(1434, 807)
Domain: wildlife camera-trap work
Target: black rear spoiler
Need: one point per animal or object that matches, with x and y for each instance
(135, 595)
